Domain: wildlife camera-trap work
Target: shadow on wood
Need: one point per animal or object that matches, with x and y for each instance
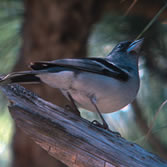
(71, 139)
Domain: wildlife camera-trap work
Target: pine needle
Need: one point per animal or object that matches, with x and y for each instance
(155, 117)
(130, 7)
(152, 21)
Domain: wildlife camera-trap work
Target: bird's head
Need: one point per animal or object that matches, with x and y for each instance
(126, 53)
(128, 47)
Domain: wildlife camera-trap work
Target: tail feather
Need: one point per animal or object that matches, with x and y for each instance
(20, 77)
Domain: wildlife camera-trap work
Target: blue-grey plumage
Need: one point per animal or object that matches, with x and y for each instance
(111, 82)
(110, 94)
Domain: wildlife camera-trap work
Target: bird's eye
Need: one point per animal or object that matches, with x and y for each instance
(119, 46)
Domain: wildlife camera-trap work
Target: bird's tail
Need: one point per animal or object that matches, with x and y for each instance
(20, 77)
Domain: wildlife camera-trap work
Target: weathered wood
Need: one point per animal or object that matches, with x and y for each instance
(71, 139)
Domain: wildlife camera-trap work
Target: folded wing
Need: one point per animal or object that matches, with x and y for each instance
(94, 65)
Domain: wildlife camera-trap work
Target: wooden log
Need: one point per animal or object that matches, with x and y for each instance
(71, 139)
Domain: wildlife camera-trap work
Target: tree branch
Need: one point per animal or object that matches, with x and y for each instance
(71, 139)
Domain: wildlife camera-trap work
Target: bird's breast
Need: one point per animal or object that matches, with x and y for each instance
(110, 94)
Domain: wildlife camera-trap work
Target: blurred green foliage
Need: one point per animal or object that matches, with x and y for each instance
(11, 12)
(6, 131)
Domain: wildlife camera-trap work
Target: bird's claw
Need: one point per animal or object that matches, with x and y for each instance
(104, 126)
(99, 124)
(116, 133)
(69, 108)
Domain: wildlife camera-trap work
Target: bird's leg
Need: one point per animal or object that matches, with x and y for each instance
(74, 108)
(104, 125)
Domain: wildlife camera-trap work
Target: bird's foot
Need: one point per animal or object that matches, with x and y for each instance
(104, 126)
(75, 111)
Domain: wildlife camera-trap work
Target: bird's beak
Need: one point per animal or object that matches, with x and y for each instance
(135, 46)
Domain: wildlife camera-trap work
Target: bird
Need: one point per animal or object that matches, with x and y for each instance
(98, 84)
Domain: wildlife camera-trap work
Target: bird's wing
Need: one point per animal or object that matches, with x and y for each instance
(94, 65)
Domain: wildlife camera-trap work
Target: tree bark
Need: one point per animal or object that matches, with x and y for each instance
(71, 139)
